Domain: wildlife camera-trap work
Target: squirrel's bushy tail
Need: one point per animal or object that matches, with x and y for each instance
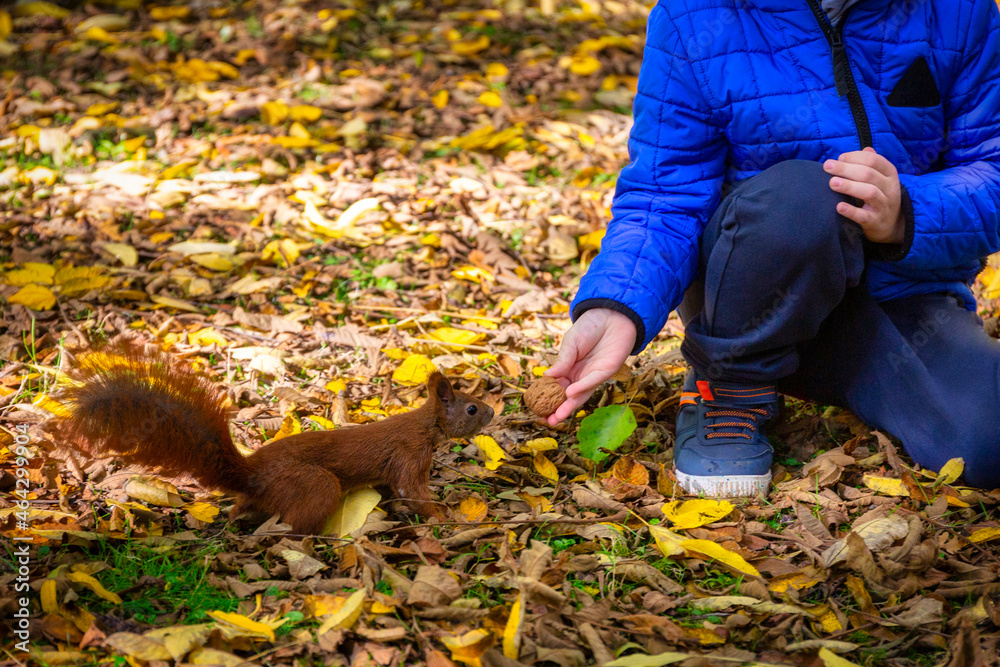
(139, 404)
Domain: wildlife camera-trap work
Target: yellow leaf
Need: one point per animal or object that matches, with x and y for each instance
(35, 297)
(290, 425)
(380, 608)
(951, 470)
(440, 99)
(224, 68)
(305, 113)
(512, 631)
(831, 659)
(829, 622)
(322, 421)
(591, 241)
(40, 8)
(213, 656)
(491, 99)
(719, 553)
(886, 485)
(32, 272)
(179, 640)
(494, 453)
(168, 13)
(354, 508)
(536, 503)
(337, 386)
(545, 468)
(85, 579)
(667, 541)
(345, 617)
(99, 34)
(123, 252)
(496, 71)
(38, 176)
(704, 636)
(101, 108)
(473, 509)
(797, 580)
(49, 595)
(202, 511)
(137, 647)
(471, 47)
(274, 113)
(540, 445)
(76, 281)
(584, 65)
(985, 535)
(684, 514)
(175, 171)
(153, 491)
(459, 336)
(207, 336)
(6, 26)
(299, 131)
(414, 370)
(212, 261)
(243, 623)
(470, 647)
(472, 274)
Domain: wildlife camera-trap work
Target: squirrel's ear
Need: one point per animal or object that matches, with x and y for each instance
(439, 386)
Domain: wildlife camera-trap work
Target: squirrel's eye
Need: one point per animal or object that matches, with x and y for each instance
(471, 410)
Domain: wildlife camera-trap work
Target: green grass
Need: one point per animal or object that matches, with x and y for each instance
(182, 588)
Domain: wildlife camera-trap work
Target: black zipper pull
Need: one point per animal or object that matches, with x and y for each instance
(840, 64)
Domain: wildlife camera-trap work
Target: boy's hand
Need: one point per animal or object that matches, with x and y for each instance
(592, 351)
(868, 176)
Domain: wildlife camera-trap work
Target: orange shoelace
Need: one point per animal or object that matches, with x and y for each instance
(750, 414)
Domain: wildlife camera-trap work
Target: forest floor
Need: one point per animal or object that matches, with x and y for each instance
(316, 202)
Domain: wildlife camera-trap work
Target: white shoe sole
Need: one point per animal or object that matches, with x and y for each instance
(728, 486)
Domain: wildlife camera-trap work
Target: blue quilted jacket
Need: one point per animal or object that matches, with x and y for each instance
(730, 87)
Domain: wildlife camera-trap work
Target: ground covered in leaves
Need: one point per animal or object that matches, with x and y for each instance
(317, 203)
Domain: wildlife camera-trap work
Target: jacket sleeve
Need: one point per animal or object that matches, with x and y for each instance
(665, 195)
(953, 214)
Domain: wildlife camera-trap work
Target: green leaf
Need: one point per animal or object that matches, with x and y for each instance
(606, 428)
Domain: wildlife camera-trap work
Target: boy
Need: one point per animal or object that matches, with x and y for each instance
(822, 178)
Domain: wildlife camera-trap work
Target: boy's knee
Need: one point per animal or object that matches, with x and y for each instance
(791, 204)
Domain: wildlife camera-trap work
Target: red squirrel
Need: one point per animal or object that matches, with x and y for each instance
(148, 408)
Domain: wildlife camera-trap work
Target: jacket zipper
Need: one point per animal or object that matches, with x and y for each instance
(843, 75)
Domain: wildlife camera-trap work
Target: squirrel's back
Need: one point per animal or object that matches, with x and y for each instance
(138, 403)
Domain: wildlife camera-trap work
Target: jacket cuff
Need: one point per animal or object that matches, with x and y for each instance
(893, 252)
(640, 326)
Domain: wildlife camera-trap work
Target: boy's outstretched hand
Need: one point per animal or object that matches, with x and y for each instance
(868, 176)
(592, 351)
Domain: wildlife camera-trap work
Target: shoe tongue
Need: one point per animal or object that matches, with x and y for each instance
(737, 394)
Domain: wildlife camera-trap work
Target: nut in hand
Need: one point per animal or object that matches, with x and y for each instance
(544, 396)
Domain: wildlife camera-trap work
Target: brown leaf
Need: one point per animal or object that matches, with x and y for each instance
(433, 587)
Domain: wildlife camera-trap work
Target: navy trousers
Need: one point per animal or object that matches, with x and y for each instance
(781, 300)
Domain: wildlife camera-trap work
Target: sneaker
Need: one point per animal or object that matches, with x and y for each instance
(720, 451)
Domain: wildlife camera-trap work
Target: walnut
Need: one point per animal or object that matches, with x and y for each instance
(544, 396)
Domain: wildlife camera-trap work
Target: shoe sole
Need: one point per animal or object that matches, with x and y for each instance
(728, 486)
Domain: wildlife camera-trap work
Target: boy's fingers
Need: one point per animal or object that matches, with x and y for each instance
(858, 215)
(866, 192)
(861, 173)
(586, 384)
(567, 408)
(870, 159)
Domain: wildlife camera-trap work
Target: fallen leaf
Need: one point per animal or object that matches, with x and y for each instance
(684, 514)
(352, 512)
